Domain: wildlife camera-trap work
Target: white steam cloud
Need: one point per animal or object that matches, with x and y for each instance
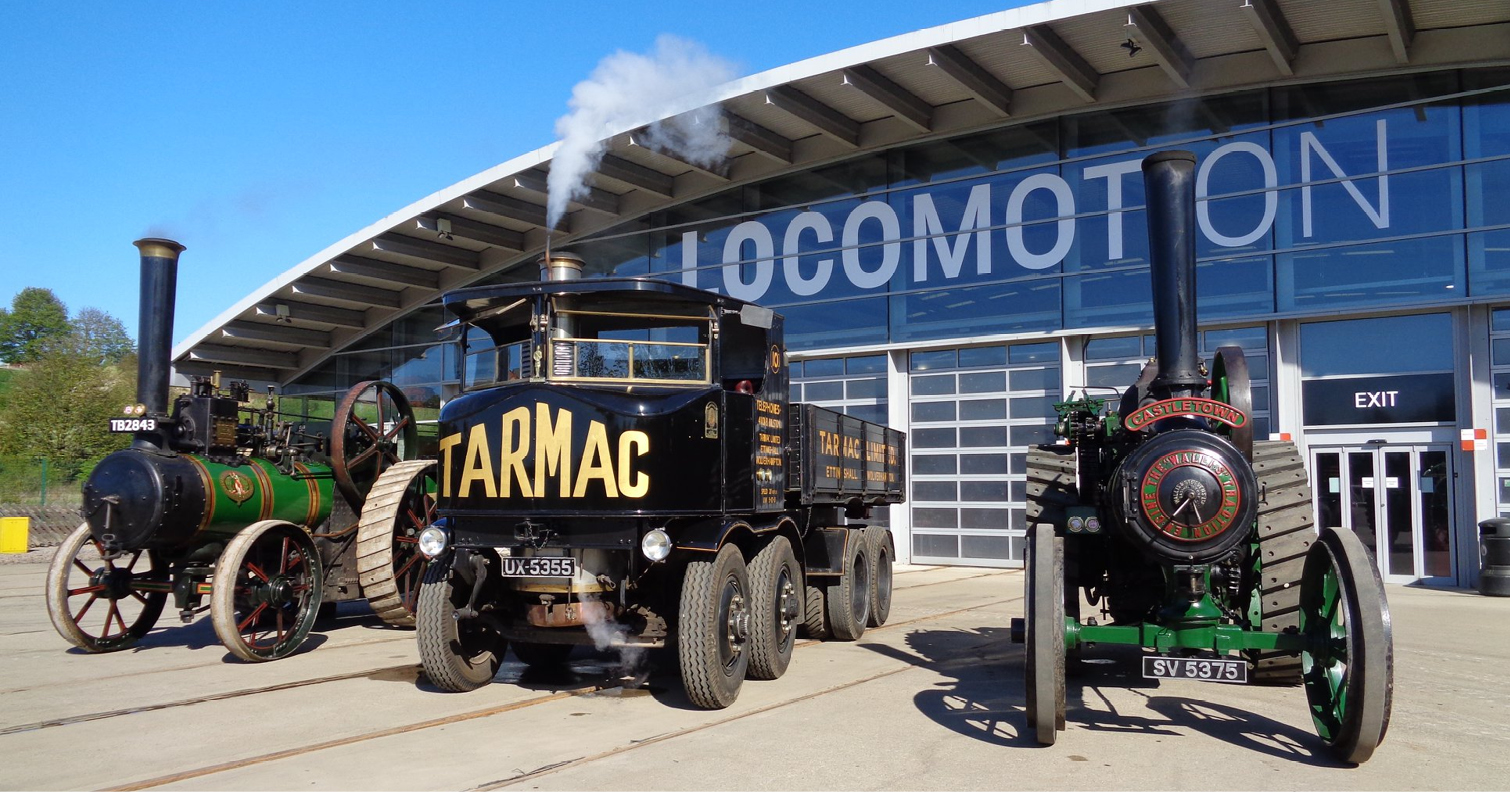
(628, 89)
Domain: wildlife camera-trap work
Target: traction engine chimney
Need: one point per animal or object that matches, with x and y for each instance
(1169, 184)
(155, 334)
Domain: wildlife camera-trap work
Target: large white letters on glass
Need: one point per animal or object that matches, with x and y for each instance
(1203, 189)
(891, 250)
(1065, 226)
(926, 223)
(765, 250)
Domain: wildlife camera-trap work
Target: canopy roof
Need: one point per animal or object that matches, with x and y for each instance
(1028, 63)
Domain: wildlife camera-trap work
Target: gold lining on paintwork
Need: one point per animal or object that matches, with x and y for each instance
(209, 489)
(267, 490)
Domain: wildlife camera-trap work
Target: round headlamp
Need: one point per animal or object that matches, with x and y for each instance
(1076, 523)
(433, 541)
(1092, 524)
(656, 545)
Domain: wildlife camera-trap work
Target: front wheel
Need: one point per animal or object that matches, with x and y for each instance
(713, 632)
(1045, 633)
(99, 605)
(1347, 667)
(266, 592)
(458, 655)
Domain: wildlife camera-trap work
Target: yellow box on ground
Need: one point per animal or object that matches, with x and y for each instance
(13, 531)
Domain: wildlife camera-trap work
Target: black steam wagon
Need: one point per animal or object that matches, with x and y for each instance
(625, 468)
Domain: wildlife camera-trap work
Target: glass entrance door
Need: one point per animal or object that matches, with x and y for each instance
(1397, 498)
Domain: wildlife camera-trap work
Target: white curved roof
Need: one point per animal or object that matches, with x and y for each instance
(1027, 63)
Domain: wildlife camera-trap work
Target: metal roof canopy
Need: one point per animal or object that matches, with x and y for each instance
(1029, 63)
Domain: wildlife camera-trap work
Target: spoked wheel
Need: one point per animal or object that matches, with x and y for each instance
(776, 608)
(266, 591)
(880, 576)
(99, 605)
(373, 429)
(849, 599)
(714, 633)
(389, 564)
(1231, 385)
(1347, 666)
(1045, 633)
(458, 655)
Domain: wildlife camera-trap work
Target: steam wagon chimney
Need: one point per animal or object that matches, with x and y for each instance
(1169, 184)
(155, 333)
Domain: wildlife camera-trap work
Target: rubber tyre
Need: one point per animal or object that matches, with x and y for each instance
(777, 608)
(880, 575)
(1286, 532)
(228, 604)
(712, 629)
(455, 659)
(816, 621)
(1343, 605)
(1045, 656)
(848, 600)
(541, 655)
(390, 567)
(66, 622)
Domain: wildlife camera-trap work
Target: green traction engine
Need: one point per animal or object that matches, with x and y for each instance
(222, 503)
(1159, 511)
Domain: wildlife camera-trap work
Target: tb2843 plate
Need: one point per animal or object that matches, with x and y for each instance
(1204, 669)
(539, 566)
(133, 424)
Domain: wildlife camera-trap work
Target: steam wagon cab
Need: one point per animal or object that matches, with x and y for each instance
(625, 469)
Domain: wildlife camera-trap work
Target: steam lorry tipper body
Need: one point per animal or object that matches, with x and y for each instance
(216, 500)
(625, 468)
(1193, 540)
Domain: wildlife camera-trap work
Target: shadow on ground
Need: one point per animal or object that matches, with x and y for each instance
(982, 697)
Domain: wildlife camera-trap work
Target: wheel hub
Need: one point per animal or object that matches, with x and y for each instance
(738, 625)
(115, 582)
(787, 607)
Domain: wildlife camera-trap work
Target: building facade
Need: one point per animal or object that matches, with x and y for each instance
(1354, 240)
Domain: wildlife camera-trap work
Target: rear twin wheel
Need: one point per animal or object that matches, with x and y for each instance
(1347, 666)
(849, 598)
(776, 608)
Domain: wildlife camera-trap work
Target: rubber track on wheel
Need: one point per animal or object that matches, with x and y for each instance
(1286, 531)
(375, 541)
(1051, 483)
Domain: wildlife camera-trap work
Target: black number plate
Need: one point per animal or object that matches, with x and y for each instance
(1205, 669)
(133, 424)
(539, 566)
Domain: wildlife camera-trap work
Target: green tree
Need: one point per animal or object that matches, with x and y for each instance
(35, 315)
(60, 408)
(102, 336)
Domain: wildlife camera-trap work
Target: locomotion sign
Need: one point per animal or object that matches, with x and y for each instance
(757, 251)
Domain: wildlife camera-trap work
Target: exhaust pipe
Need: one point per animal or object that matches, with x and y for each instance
(155, 334)
(1169, 184)
(560, 267)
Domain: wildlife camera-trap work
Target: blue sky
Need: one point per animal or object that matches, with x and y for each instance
(259, 133)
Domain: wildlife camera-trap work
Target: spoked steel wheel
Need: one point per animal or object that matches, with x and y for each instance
(373, 429)
(389, 564)
(1045, 633)
(1347, 666)
(714, 632)
(99, 605)
(266, 591)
